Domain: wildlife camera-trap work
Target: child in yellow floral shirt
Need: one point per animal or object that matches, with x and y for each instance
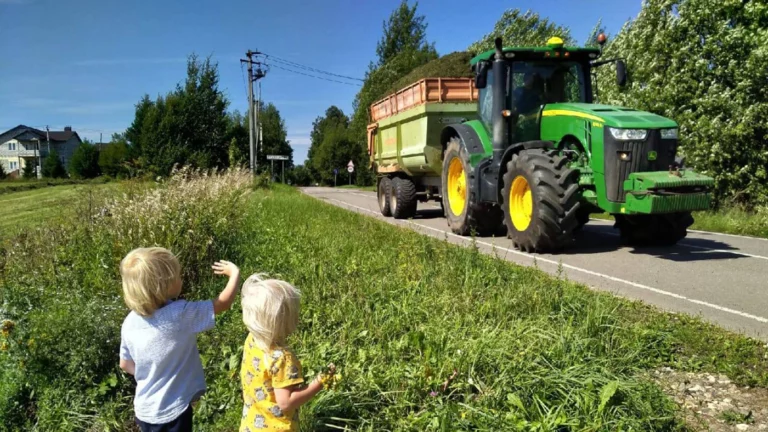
(271, 374)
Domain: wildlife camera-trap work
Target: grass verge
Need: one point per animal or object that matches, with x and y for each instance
(428, 335)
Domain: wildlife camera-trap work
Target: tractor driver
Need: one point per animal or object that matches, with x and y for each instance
(528, 98)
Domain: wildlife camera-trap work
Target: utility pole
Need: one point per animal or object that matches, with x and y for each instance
(254, 130)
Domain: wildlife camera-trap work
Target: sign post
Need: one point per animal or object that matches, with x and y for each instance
(350, 170)
(335, 174)
(272, 159)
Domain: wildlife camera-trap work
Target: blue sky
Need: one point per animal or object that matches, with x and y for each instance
(85, 63)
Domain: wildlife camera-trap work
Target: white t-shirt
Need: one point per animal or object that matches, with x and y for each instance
(169, 375)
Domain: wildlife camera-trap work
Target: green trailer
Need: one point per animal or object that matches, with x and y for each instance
(533, 156)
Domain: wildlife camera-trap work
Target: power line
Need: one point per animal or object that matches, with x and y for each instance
(315, 76)
(301, 66)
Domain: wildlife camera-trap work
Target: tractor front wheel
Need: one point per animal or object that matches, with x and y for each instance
(464, 213)
(540, 200)
(653, 230)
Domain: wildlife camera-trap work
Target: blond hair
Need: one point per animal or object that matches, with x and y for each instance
(149, 276)
(270, 310)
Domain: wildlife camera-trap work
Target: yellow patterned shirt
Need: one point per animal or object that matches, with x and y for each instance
(260, 373)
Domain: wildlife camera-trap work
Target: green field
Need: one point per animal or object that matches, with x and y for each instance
(21, 210)
(398, 312)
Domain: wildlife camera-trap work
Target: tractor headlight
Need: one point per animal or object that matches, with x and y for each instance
(628, 134)
(669, 133)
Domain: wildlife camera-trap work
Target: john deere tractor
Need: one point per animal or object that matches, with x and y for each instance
(532, 152)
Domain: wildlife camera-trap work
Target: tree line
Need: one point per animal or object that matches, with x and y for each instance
(189, 125)
(702, 63)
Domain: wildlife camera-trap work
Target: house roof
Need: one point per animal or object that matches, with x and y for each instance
(55, 136)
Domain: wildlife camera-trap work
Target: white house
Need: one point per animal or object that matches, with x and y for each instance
(24, 145)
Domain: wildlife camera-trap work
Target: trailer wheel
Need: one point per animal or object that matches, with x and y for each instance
(383, 193)
(540, 200)
(653, 230)
(462, 211)
(402, 201)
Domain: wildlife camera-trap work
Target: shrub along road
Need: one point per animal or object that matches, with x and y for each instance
(717, 276)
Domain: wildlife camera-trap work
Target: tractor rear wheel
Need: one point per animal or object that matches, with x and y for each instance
(402, 199)
(383, 193)
(653, 230)
(540, 200)
(463, 212)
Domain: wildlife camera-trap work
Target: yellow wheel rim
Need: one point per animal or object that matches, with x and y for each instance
(520, 203)
(457, 186)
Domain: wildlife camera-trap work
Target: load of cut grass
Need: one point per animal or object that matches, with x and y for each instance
(454, 65)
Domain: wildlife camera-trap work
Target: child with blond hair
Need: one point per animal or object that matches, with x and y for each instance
(158, 339)
(271, 374)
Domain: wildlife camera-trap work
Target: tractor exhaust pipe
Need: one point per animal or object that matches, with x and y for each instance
(500, 125)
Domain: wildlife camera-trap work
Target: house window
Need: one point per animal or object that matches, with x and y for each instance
(14, 166)
(12, 146)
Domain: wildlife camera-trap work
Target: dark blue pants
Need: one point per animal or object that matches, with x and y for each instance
(182, 423)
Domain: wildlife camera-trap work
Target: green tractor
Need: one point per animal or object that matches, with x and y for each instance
(542, 156)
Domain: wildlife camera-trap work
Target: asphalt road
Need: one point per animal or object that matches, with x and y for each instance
(722, 278)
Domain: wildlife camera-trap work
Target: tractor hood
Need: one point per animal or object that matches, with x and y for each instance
(619, 117)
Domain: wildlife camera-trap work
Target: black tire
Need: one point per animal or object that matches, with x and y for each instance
(476, 217)
(582, 218)
(402, 200)
(653, 230)
(555, 200)
(383, 195)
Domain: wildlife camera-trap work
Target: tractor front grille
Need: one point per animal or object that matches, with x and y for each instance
(617, 170)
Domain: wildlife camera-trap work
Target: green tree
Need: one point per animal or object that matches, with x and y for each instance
(53, 167)
(522, 29)
(28, 173)
(300, 176)
(703, 63)
(404, 31)
(402, 48)
(186, 126)
(332, 146)
(274, 139)
(3, 174)
(114, 157)
(238, 137)
(85, 162)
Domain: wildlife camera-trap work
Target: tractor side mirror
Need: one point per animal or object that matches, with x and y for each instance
(481, 75)
(621, 73)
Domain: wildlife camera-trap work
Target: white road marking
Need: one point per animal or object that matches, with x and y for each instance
(575, 268)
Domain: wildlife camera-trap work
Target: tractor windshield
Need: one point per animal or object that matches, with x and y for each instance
(537, 83)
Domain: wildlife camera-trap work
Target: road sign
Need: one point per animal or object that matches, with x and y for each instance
(350, 169)
(350, 165)
(335, 171)
(277, 157)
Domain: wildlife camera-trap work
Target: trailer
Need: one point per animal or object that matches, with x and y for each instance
(404, 140)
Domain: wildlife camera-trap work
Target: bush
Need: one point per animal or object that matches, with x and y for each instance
(262, 181)
(61, 292)
(3, 174)
(85, 162)
(53, 167)
(28, 172)
(112, 159)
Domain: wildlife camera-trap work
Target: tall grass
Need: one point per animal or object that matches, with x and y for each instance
(427, 335)
(60, 290)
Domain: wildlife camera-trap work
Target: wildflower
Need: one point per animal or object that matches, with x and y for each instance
(433, 393)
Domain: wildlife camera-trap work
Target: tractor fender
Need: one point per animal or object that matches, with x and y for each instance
(469, 137)
(513, 150)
